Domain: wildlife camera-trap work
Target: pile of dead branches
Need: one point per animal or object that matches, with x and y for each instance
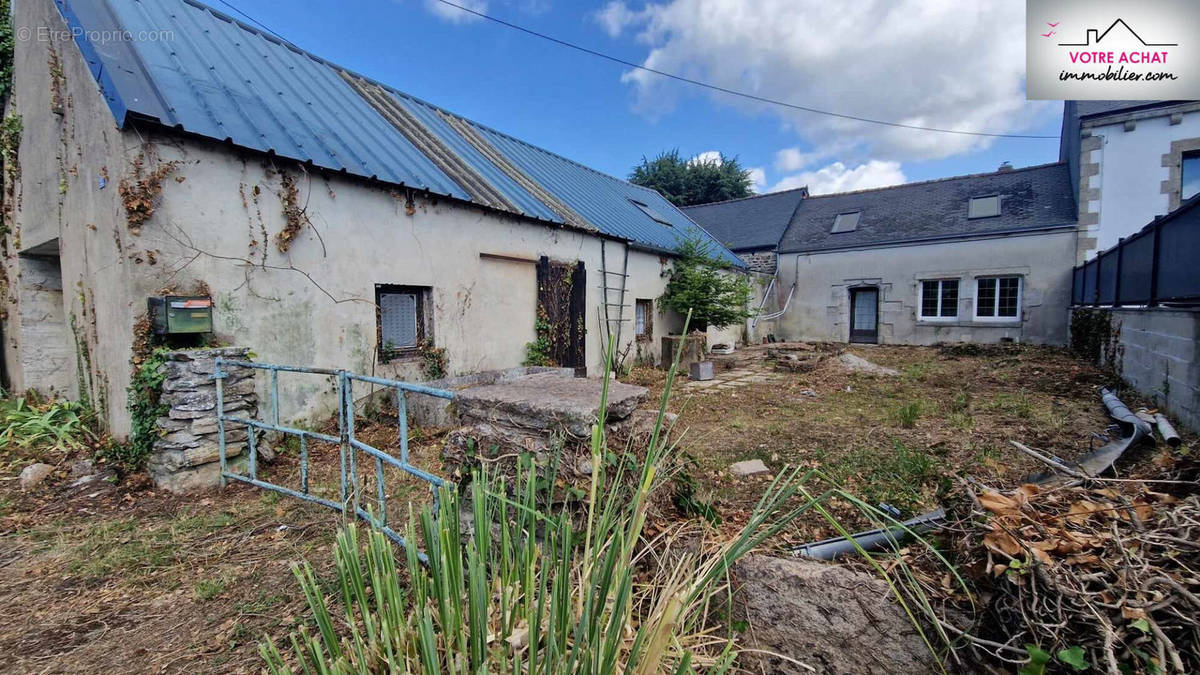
(1104, 575)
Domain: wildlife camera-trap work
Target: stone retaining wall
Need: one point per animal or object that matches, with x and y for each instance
(186, 457)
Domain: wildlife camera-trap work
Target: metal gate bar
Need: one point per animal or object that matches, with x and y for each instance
(349, 445)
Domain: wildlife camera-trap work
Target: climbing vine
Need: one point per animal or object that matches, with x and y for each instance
(145, 407)
(294, 217)
(10, 144)
(6, 51)
(83, 365)
(433, 360)
(1096, 337)
(540, 351)
(140, 192)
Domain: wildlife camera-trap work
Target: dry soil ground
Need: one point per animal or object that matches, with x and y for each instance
(119, 578)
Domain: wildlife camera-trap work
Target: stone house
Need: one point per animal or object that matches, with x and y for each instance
(1130, 161)
(977, 258)
(166, 148)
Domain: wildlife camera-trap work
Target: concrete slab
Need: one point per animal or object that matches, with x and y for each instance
(548, 403)
(749, 467)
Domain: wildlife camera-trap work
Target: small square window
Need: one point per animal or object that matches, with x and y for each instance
(401, 319)
(1190, 179)
(644, 319)
(983, 207)
(998, 298)
(845, 222)
(939, 299)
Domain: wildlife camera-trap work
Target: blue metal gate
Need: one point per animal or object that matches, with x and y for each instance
(350, 447)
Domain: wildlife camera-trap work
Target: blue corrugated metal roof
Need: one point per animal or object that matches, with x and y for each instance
(220, 78)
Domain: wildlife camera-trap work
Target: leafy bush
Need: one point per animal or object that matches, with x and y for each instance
(56, 425)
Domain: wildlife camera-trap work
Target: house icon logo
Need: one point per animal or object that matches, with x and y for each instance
(1095, 37)
(1147, 50)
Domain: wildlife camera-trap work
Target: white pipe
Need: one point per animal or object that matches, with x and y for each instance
(766, 294)
(783, 311)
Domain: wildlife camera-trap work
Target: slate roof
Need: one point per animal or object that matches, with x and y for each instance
(1033, 198)
(220, 78)
(751, 223)
(1091, 108)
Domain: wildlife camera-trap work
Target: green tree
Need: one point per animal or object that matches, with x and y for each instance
(687, 182)
(700, 282)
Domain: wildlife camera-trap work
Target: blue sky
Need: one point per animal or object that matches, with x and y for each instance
(592, 111)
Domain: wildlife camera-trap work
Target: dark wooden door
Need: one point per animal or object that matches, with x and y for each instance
(864, 315)
(561, 305)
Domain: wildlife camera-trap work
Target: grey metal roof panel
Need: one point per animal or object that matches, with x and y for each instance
(521, 198)
(220, 78)
(752, 223)
(603, 199)
(1030, 199)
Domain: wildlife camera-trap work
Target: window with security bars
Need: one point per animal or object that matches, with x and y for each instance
(939, 299)
(401, 319)
(998, 298)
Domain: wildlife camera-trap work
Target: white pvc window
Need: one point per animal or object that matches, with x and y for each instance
(939, 299)
(998, 298)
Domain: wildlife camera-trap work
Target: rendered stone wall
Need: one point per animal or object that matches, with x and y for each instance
(187, 456)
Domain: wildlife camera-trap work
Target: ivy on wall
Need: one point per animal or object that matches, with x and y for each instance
(6, 51)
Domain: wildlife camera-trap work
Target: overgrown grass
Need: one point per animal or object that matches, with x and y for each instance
(45, 426)
(902, 478)
(1017, 404)
(908, 414)
(540, 589)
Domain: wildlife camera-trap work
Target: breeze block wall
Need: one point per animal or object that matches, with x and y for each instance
(1156, 350)
(186, 457)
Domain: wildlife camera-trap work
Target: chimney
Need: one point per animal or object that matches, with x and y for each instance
(1093, 36)
(1005, 166)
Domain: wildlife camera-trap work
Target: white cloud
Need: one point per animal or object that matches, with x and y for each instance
(837, 177)
(707, 156)
(616, 17)
(758, 178)
(454, 14)
(926, 62)
(792, 159)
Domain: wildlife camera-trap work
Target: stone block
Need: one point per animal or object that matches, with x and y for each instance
(749, 467)
(834, 618)
(701, 370)
(548, 403)
(175, 460)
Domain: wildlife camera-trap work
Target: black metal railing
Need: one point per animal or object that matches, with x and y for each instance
(1160, 264)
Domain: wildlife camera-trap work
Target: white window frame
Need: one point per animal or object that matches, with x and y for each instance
(921, 300)
(996, 318)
